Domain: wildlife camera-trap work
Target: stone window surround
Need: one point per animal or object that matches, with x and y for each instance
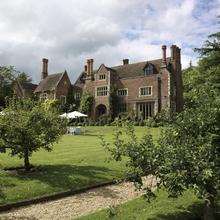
(102, 77)
(104, 90)
(147, 94)
(126, 89)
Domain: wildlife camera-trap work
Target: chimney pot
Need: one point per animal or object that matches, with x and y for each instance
(125, 61)
(44, 68)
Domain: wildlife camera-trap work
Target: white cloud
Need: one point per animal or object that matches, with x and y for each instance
(68, 32)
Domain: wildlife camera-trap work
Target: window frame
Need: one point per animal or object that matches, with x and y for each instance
(125, 89)
(102, 75)
(147, 71)
(104, 91)
(146, 87)
(77, 95)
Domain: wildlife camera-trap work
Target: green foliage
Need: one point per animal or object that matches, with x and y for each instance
(114, 101)
(23, 77)
(27, 126)
(112, 212)
(187, 153)
(210, 52)
(50, 104)
(186, 207)
(7, 76)
(71, 103)
(6, 79)
(86, 103)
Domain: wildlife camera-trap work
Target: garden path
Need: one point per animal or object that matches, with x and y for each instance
(77, 205)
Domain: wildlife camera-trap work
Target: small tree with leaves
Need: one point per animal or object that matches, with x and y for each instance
(27, 126)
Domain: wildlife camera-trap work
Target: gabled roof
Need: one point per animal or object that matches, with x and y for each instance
(49, 83)
(127, 70)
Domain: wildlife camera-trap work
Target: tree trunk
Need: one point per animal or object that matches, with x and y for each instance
(26, 160)
(209, 209)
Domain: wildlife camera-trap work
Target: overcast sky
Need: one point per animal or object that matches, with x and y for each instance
(67, 32)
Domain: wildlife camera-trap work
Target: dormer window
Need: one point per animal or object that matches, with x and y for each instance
(149, 69)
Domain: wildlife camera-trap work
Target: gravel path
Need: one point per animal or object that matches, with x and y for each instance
(77, 205)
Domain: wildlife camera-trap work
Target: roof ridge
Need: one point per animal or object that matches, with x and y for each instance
(54, 74)
(139, 62)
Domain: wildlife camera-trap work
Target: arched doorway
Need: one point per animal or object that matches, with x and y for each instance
(101, 110)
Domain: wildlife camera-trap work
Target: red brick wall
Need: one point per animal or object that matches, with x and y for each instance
(91, 86)
(63, 86)
(166, 86)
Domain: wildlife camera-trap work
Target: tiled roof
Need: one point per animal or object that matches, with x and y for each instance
(128, 70)
(28, 86)
(49, 83)
(137, 69)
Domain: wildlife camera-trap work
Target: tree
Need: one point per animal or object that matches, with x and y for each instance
(27, 126)
(113, 101)
(23, 77)
(72, 104)
(86, 103)
(7, 76)
(187, 154)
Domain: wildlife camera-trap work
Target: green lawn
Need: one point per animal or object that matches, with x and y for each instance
(76, 161)
(185, 207)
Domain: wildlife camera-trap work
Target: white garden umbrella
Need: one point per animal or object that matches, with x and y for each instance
(74, 114)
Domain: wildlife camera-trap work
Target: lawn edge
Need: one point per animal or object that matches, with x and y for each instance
(56, 196)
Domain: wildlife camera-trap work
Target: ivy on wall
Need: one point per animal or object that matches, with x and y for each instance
(86, 103)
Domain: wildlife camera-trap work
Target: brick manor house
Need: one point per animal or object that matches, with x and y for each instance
(144, 87)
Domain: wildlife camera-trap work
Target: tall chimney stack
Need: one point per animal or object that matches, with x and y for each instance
(91, 66)
(173, 52)
(88, 67)
(164, 55)
(44, 68)
(125, 61)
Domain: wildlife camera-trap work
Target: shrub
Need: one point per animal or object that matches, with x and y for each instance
(86, 103)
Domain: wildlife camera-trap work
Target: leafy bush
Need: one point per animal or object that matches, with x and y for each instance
(86, 103)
